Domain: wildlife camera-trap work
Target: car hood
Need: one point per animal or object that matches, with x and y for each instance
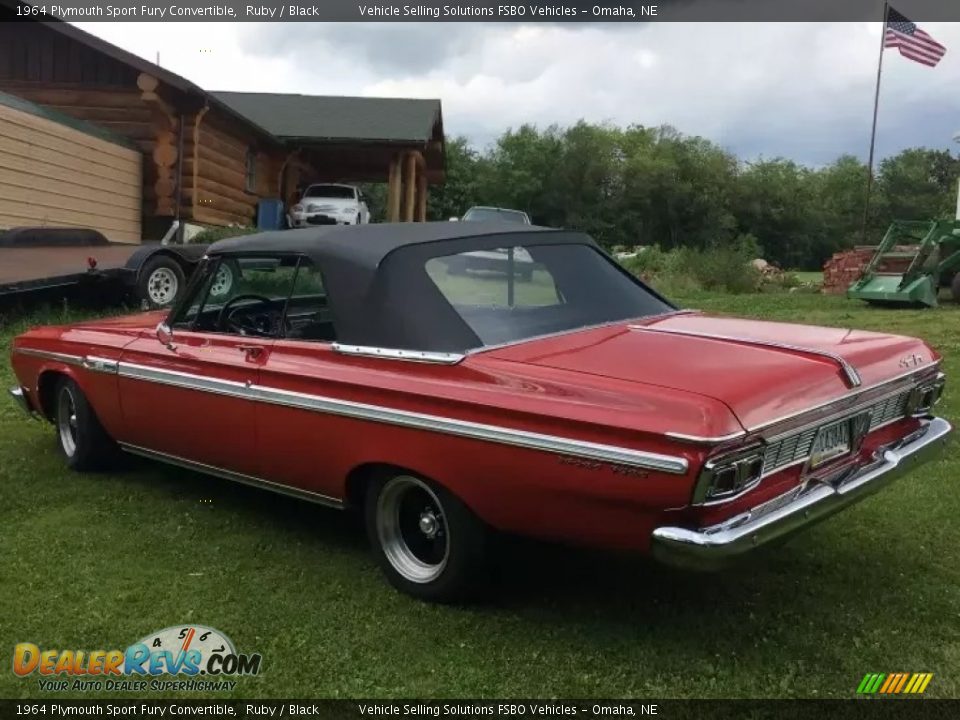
(737, 366)
(144, 321)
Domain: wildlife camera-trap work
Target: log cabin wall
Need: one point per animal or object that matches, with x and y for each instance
(217, 163)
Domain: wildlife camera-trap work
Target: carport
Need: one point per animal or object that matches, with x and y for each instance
(353, 139)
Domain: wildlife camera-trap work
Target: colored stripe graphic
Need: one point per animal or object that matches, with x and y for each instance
(894, 683)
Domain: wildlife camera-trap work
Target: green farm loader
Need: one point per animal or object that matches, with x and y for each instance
(913, 261)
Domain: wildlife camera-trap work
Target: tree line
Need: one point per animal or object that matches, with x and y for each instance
(656, 186)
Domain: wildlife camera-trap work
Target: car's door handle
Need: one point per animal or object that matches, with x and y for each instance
(251, 351)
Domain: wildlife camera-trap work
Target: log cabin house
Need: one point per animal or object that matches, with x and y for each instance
(210, 157)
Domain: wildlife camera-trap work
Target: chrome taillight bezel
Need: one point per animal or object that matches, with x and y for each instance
(925, 396)
(730, 475)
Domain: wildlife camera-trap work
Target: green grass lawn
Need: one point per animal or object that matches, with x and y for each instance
(811, 277)
(98, 561)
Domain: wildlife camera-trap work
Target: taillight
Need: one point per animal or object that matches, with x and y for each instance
(923, 397)
(727, 476)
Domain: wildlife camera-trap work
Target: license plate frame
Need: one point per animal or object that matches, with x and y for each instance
(832, 441)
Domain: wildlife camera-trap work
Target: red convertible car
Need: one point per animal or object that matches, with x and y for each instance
(348, 366)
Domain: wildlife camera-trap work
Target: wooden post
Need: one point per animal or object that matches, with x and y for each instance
(393, 190)
(409, 186)
(422, 196)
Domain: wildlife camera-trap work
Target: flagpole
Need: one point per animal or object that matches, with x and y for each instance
(873, 128)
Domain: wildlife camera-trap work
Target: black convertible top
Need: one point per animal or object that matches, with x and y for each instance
(367, 245)
(378, 289)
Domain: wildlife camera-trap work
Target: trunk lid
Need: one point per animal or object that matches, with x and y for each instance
(758, 382)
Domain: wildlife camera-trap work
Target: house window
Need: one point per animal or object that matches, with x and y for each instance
(251, 170)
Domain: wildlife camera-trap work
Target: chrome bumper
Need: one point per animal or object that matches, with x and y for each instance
(20, 395)
(714, 546)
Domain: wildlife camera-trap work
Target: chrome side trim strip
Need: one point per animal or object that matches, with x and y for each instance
(404, 418)
(98, 364)
(236, 477)
(850, 373)
(706, 440)
(476, 431)
(48, 355)
(423, 356)
(188, 381)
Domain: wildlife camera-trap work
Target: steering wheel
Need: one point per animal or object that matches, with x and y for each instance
(226, 321)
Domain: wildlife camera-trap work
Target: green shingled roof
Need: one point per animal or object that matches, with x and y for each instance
(336, 118)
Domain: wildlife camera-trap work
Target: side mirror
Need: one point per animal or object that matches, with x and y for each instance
(454, 219)
(165, 336)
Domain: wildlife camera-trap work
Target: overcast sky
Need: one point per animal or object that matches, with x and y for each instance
(798, 90)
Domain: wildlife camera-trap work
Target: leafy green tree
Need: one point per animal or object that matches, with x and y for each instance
(918, 184)
(462, 183)
(655, 186)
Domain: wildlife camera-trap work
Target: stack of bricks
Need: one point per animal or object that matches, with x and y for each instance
(845, 268)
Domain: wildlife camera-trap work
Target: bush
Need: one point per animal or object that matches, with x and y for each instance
(212, 234)
(726, 269)
(648, 261)
(674, 285)
(683, 270)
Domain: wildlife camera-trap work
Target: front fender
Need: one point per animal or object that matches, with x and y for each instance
(38, 370)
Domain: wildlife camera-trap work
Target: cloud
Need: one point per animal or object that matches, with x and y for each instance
(386, 49)
(800, 90)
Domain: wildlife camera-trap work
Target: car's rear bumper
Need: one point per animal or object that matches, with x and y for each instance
(22, 398)
(714, 546)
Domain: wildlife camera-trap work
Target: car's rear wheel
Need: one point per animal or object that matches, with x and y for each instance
(83, 442)
(428, 543)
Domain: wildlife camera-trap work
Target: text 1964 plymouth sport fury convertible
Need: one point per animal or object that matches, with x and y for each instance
(347, 366)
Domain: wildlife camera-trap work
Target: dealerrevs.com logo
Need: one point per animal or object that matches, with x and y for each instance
(205, 656)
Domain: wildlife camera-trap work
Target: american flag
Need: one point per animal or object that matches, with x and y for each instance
(913, 43)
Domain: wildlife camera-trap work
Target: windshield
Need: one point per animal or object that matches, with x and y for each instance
(484, 214)
(516, 293)
(329, 191)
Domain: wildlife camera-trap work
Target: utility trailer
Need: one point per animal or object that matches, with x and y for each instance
(913, 261)
(37, 262)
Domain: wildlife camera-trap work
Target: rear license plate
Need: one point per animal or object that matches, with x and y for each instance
(831, 442)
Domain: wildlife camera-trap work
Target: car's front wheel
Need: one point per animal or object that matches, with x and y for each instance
(428, 543)
(83, 442)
